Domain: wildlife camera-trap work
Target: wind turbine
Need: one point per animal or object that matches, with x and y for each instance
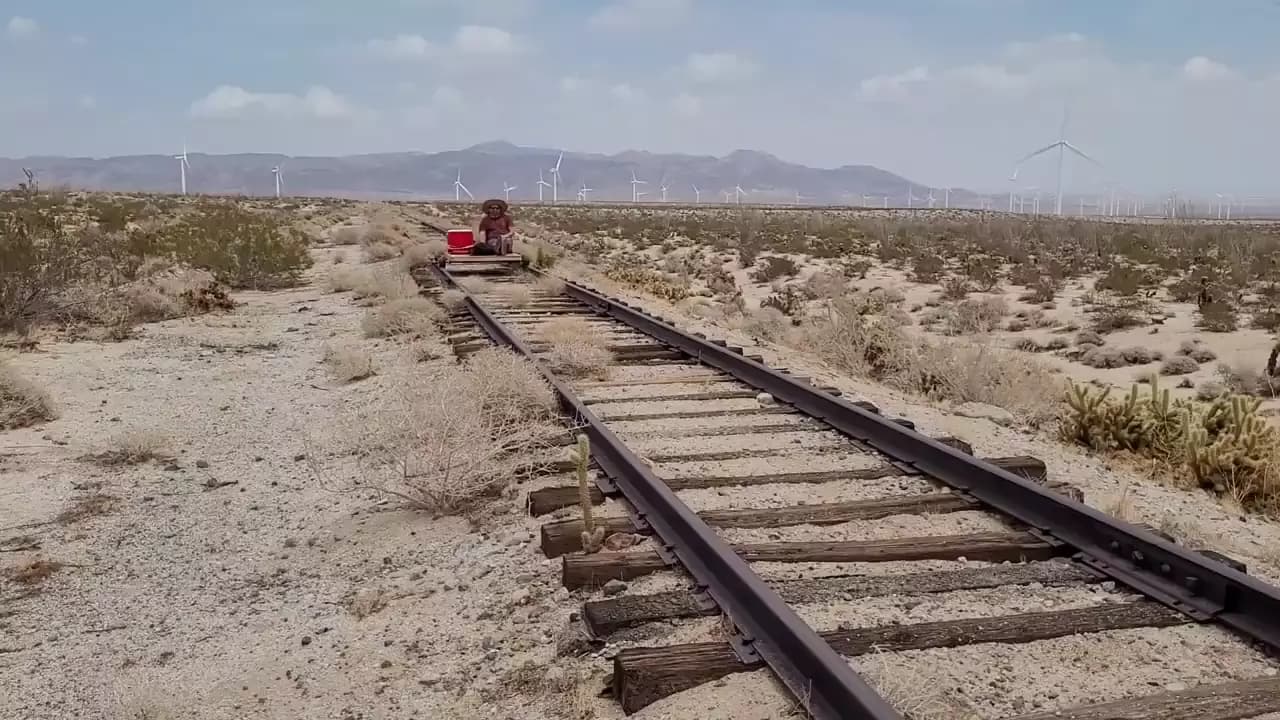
(726, 194)
(459, 188)
(933, 202)
(697, 194)
(662, 185)
(183, 164)
(582, 193)
(946, 198)
(800, 197)
(32, 185)
(555, 180)
(506, 191)
(635, 187)
(276, 171)
(866, 200)
(541, 184)
(738, 192)
(1062, 146)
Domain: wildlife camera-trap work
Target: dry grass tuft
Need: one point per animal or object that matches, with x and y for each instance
(453, 439)
(453, 299)
(88, 506)
(134, 448)
(416, 316)
(348, 363)
(550, 285)
(913, 686)
(347, 235)
(577, 349)
(22, 403)
(516, 295)
(34, 572)
(379, 251)
(944, 369)
(369, 284)
(422, 255)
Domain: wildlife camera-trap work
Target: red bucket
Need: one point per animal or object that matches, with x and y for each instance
(460, 242)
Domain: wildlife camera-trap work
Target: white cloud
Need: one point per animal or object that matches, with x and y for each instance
(447, 97)
(228, 101)
(895, 86)
(996, 78)
(19, 26)
(626, 93)
(401, 47)
(718, 66)
(641, 14)
(571, 84)
(484, 40)
(469, 41)
(687, 105)
(1202, 68)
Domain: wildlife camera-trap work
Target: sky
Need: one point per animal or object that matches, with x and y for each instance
(1162, 94)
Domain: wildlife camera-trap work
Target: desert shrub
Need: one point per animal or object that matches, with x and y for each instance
(1222, 444)
(854, 268)
(973, 316)
(1119, 316)
(773, 268)
(946, 370)
(1268, 319)
(789, 301)
(550, 285)
(983, 271)
(416, 316)
(1123, 280)
(347, 235)
(927, 268)
(422, 255)
(475, 285)
(1179, 365)
(453, 299)
(824, 286)
(22, 402)
(955, 288)
(1217, 317)
(1246, 381)
(348, 363)
(576, 348)
(1089, 337)
(767, 323)
(379, 251)
(241, 248)
(453, 440)
(649, 281)
(1197, 351)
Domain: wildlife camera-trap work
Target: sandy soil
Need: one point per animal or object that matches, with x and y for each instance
(274, 597)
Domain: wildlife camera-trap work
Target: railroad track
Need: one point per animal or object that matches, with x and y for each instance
(754, 530)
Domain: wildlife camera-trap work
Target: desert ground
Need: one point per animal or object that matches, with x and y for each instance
(189, 527)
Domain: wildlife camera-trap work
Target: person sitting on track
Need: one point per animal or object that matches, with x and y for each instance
(495, 232)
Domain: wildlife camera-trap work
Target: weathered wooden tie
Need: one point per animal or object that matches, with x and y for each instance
(1228, 701)
(644, 675)
(578, 571)
(603, 617)
(545, 500)
(563, 537)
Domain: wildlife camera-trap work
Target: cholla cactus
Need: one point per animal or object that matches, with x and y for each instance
(592, 536)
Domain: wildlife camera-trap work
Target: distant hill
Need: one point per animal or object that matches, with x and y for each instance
(485, 167)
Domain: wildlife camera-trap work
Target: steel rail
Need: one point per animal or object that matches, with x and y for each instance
(1203, 588)
(820, 678)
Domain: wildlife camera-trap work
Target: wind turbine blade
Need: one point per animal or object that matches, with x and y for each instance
(1041, 151)
(1080, 152)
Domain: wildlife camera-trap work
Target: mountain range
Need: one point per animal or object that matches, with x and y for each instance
(485, 170)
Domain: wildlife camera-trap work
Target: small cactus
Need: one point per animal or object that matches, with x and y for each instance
(1224, 445)
(592, 536)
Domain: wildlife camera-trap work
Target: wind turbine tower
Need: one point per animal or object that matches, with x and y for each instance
(541, 184)
(506, 191)
(459, 188)
(276, 171)
(635, 187)
(738, 192)
(555, 180)
(662, 185)
(697, 194)
(1062, 146)
(582, 193)
(183, 164)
